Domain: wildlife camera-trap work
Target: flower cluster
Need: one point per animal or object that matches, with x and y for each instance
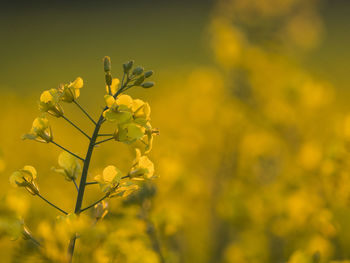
(132, 119)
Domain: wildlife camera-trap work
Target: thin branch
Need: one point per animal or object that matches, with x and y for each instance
(84, 111)
(105, 134)
(75, 126)
(76, 186)
(123, 79)
(90, 183)
(47, 201)
(104, 140)
(35, 242)
(93, 204)
(67, 151)
(28, 236)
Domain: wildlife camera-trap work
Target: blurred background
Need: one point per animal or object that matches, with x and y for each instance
(251, 100)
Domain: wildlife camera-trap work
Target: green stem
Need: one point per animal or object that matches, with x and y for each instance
(105, 134)
(84, 174)
(28, 235)
(47, 201)
(67, 151)
(75, 126)
(104, 140)
(75, 183)
(93, 204)
(84, 111)
(89, 183)
(35, 242)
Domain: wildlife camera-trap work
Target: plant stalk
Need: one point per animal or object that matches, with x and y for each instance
(84, 174)
(55, 206)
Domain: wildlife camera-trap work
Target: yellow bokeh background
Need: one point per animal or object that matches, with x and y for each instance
(253, 154)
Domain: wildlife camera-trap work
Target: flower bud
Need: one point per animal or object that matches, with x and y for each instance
(107, 64)
(139, 81)
(147, 85)
(108, 79)
(137, 71)
(127, 66)
(148, 73)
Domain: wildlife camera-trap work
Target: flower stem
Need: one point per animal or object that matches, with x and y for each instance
(104, 134)
(84, 174)
(84, 111)
(104, 140)
(67, 151)
(75, 126)
(89, 183)
(93, 204)
(47, 201)
(75, 183)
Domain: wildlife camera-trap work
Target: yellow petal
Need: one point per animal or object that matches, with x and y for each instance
(109, 100)
(78, 83)
(46, 97)
(31, 170)
(125, 100)
(114, 86)
(109, 173)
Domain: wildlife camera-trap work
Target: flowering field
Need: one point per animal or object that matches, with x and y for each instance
(235, 148)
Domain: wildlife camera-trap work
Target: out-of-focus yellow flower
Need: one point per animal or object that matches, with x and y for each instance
(310, 156)
(100, 210)
(318, 244)
(300, 257)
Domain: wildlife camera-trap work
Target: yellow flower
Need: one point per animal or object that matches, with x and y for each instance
(100, 210)
(70, 92)
(142, 167)
(141, 109)
(109, 180)
(114, 86)
(25, 178)
(150, 134)
(129, 132)
(41, 131)
(49, 103)
(70, 166)
(119, 109)
(125, 189)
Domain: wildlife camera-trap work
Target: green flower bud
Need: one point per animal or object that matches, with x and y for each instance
(148, 73)
(139, 81)
(137, 71)
(108, 79)
(107, 63)
(127, 66)
(147, 85)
